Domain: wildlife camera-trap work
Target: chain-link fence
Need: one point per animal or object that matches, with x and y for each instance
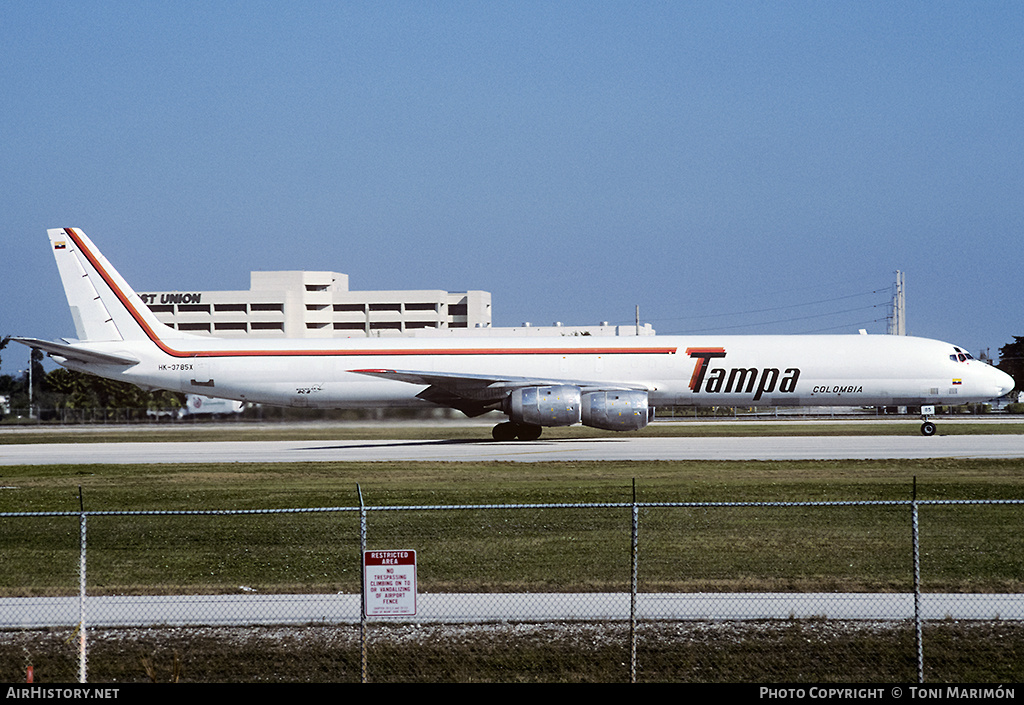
(887, 591)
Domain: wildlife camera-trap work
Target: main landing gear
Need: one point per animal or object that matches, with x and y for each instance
(510, 431)
(927, 427)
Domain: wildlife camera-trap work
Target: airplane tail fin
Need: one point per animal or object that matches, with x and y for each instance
(103, 306)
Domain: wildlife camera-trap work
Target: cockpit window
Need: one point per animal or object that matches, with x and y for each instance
(960, 355)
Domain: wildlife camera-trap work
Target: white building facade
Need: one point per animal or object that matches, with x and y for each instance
(302, 304)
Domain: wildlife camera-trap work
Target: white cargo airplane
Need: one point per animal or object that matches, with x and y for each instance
(559, 381)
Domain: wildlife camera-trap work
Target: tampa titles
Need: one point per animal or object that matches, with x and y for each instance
(738, 380)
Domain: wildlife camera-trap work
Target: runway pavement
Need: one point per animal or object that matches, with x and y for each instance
(453, 608)
(616, 448)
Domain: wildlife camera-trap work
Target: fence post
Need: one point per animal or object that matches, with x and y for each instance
(917, 582)
(633, 588)
(362, 587)
(82, 655)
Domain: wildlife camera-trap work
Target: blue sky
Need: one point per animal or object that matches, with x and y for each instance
(733, 167)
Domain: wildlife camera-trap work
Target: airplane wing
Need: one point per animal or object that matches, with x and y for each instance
(78, 352)
(474, 395)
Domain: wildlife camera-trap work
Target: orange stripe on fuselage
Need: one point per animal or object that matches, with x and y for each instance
(151, 334)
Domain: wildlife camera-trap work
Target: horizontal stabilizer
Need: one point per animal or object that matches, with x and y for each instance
(78, 352)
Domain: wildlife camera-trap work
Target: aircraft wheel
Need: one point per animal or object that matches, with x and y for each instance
(927, 429)
(528, 432)
(505, 431)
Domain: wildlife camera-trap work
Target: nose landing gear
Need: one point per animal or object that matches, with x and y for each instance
(927, 427)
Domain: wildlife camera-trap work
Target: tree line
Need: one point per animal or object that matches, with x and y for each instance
(1011, 361)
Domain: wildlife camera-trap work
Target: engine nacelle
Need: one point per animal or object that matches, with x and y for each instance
(557, 405)
(616, 411)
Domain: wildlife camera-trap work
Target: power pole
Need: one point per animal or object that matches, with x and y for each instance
(898, 322)
(31, 360)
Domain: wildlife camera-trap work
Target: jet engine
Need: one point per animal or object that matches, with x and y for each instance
(557, 405)
(616, 411)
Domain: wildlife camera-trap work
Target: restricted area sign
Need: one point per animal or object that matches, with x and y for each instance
(389, 583)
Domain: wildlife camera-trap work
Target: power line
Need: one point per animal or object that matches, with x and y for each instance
(798, 318)
(845, 327)
(774, 308)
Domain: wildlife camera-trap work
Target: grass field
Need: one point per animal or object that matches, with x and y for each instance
(746, 548)
(792, 651)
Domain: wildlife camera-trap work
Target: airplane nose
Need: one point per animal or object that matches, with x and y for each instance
(1002, 382)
